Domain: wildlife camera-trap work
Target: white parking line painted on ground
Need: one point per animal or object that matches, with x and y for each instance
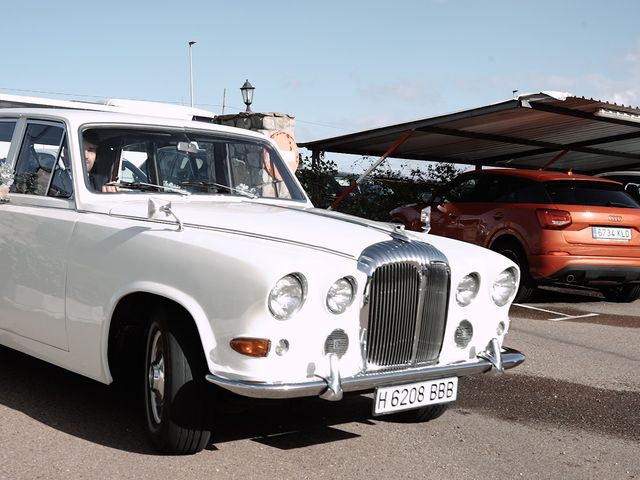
(571, 317)
(539, 309)
(563, 316)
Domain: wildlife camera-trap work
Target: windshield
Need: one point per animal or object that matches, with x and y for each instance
(199, 163)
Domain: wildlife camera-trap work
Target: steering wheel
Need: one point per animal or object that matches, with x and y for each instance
(138, 175)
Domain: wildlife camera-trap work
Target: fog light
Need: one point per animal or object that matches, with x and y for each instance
(252, 347)
(337, 342)
(282, 347)
(464, 334)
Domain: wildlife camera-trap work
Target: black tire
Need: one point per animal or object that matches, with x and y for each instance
(177, 400)
(418, 415)
(514, 252)
(621, 293)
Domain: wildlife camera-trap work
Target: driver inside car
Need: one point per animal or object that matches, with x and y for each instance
(97, 180)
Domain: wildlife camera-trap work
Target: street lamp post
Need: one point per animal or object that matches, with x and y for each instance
(247, 95)
(191, 43)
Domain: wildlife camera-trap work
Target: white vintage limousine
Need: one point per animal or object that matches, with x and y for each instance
(188, 255)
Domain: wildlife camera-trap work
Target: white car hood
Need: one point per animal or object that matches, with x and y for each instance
(333, 231)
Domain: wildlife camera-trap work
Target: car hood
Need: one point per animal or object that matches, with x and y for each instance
(314, 227)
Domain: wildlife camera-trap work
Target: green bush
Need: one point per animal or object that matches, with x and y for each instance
(384, 190)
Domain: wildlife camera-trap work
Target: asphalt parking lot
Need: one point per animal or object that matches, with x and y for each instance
(572, 411)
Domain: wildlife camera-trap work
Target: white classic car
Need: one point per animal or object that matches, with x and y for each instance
(188, 255)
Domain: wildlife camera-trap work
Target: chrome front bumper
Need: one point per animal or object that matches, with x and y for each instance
(493, 359)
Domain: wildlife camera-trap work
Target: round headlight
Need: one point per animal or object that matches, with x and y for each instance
(504, 286)
(467, 289)
(287, 296)
(340, 295)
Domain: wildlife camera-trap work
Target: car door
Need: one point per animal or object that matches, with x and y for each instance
(484, 210)
(35, 230)
(448, 214)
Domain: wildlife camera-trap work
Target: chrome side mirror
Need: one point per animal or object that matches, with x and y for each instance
(159, 210)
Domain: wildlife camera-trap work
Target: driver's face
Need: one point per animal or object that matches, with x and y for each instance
(89, 154)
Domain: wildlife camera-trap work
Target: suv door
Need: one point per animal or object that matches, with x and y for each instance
(450, 213)
(35, 231)
(475, 208)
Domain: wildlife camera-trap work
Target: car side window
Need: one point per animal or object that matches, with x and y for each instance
(492, 188)
(61, 181)
(6, 133)
(43, 166)
(464, 191)
(528, 191)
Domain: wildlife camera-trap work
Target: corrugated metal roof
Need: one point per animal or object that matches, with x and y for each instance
(525, 132)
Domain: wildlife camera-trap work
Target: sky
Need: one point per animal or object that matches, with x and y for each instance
(337, 66)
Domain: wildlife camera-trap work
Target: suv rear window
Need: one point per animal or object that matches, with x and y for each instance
(597, 194)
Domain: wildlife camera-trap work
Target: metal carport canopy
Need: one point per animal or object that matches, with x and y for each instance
(554, 130)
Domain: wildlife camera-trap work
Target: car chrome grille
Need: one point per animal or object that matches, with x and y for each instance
(405, 309)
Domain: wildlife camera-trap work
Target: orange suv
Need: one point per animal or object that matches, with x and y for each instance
(558, 227)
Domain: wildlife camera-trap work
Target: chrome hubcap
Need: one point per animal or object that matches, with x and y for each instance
(156, 377)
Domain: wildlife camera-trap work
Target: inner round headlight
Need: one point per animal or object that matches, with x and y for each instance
(504, 286)
(467, 289)
(341, 295)
(287, 296)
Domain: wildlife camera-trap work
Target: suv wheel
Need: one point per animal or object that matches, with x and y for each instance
(515, 253)
(621, 293)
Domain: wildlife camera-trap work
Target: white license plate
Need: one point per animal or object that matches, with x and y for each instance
(611, 233)
(414, 395)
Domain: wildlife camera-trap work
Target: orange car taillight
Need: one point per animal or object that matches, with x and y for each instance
(553, 219)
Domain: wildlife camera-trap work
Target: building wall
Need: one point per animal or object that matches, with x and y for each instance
(264, 122)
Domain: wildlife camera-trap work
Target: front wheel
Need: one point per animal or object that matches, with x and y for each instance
(621, 293)
(177, 409)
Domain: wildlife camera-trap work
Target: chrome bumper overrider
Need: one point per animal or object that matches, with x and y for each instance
(493, 359)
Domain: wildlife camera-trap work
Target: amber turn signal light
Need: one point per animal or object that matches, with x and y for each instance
(252, 347)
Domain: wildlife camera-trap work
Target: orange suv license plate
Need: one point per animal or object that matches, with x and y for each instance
(611, 233)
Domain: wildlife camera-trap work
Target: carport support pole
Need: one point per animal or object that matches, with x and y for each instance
(315, 158)
(554, 159)
(357, 182)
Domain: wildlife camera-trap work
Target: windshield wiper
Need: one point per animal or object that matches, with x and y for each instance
(209, 185)
(150, 187)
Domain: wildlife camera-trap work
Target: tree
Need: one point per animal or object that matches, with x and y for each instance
(383, 190)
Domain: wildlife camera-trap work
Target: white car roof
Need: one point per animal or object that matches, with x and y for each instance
(111, 105)
(115, 111)
(84, 117)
